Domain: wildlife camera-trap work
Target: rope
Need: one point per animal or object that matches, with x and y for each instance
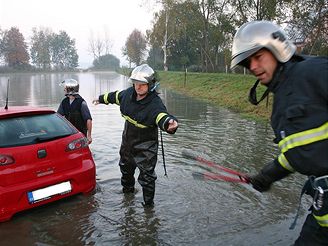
(165, 173)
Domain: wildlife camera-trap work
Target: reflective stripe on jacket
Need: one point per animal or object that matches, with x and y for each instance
(146, 113)
(300, 115)
(300, 119)
(322, 220)
(300, 139)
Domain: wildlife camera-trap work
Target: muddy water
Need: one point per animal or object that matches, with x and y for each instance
(188, 210)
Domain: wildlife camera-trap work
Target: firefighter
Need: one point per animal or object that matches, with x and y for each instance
(144, 112)
(299, 115)
(75, 108)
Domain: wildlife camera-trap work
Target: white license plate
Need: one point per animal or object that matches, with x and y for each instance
(48, 192)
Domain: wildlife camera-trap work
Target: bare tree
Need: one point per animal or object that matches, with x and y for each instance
(99, 46)
(167, 5)
(107, 42)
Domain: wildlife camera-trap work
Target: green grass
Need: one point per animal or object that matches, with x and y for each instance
(226, 90)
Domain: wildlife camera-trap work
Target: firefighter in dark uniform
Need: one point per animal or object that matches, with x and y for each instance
(75, 108)
(299, 115)
(144, 112)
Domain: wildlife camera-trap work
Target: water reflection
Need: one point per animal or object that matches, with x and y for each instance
(187, 211)
(138, 228)
(69, 222)
(44, 90)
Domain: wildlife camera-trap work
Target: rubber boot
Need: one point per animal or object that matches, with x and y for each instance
(148, 196)
(128, 190)
(127, 180)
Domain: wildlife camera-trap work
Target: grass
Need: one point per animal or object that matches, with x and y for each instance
(220, 89)
(226, 90)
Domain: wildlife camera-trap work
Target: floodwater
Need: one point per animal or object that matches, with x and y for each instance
(188, 210)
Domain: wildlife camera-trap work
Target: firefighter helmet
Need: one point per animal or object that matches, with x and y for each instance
(145, 74)
(255, 35)
(71, 86)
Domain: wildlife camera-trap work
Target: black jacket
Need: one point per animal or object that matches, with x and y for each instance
(300, 106)
(73, 113)
(147, 113)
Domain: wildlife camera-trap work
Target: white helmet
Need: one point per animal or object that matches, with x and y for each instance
(255, 35)
(71, 86)
(145, 74)
(142, 73)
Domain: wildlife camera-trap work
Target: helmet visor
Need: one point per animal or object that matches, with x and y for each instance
(138, 81)
(240, 58)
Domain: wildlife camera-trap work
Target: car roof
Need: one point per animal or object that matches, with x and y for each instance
(14, 111)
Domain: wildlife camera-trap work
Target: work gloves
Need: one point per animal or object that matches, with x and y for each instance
(270, 173)
(261, 182)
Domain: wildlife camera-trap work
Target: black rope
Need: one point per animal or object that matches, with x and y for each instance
(165, 173)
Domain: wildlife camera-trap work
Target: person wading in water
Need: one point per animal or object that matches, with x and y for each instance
(299, 116)
(143, 111)
(75, 108)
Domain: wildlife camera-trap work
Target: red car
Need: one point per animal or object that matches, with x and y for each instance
(43, 158)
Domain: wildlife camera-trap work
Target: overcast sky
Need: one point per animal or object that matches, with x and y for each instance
(79, 18)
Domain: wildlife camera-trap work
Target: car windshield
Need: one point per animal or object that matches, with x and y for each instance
(33, 129)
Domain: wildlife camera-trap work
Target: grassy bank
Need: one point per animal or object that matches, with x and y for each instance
(220, 89)
(226, 90)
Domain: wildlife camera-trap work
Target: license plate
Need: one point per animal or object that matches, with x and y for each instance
(48, 192)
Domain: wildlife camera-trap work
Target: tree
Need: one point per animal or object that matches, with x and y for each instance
(63, 51)
(99, 47)
(222, 35)
(108, 62)
(95, 46)
(166, 4)
(207, 9)
(199, 34)
(40, 48)
(1, 45)
(155, 58)
(135, 47)
(247, 10)
(14, 49)
(177, 35)
(163, 29)
(305, 21)
(185, 40)
(308, 24)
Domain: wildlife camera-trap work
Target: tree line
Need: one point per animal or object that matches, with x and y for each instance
(197, 34)
(47, 51)
(185, 34)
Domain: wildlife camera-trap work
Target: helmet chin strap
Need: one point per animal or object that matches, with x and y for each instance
(252, 94)
(71, 94)
(155, 86)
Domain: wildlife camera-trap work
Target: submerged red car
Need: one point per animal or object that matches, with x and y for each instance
(43, 158)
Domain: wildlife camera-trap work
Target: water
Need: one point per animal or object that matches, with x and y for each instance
(188, 210)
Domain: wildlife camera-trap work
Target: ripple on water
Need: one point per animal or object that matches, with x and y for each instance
(188, 211)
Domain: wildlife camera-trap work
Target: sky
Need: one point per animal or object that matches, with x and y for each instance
(80, 19)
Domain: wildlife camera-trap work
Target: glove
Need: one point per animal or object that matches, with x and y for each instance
(270, 173)
(261, 182)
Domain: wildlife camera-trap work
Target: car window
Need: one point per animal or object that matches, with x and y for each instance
(33, 129)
